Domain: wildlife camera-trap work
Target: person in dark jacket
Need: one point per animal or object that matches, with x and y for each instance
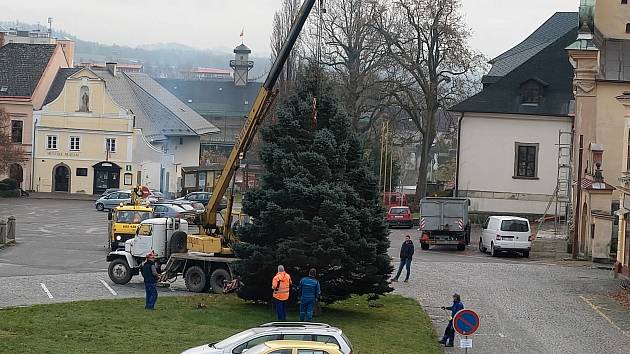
(449, 332)
(310, 292)
(150, 275)
(406, 253)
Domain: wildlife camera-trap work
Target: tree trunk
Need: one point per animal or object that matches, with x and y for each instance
(428, 125)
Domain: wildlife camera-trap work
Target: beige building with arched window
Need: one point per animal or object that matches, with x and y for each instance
(83, 140)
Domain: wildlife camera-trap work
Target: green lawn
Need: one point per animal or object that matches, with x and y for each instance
(123, 326)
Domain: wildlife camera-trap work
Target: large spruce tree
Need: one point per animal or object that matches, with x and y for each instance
(318, 204)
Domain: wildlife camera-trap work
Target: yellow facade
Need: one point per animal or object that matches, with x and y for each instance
(83, 140)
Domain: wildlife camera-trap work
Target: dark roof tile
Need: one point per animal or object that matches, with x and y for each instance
(21, 67)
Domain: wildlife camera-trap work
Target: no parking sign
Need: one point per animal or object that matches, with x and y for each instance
(466, 322)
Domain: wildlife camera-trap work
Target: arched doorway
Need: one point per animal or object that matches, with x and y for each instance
(61, 178)
(16, 173)
(106, 175)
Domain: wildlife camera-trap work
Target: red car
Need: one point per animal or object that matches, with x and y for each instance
(399, 216)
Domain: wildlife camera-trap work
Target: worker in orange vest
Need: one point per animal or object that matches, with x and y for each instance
(280, 285)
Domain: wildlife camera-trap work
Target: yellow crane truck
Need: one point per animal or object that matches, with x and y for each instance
(204, 259)
(124, 220)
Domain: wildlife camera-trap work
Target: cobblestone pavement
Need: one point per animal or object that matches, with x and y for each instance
(526, 305)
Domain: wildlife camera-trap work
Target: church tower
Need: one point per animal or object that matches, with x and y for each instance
(241, 65)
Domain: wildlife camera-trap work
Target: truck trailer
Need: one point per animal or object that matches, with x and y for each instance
(444, 221)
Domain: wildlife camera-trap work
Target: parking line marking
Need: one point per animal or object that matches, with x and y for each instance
(599, 312)
(46, 290)
(108, 287)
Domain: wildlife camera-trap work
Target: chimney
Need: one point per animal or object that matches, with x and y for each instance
(111, 67)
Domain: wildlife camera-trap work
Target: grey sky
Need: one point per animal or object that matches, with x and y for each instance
(497, 25)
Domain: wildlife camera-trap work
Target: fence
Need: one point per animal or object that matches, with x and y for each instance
(7, 231)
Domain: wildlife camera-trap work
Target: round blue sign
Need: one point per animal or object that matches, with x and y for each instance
(466, 322)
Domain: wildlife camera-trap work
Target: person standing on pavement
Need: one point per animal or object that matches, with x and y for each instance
(310, 292)
(406, 253)
(150, 275)
(449, 332)
(280, 285)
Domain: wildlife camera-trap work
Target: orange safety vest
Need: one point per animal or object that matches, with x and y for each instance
(280, 285)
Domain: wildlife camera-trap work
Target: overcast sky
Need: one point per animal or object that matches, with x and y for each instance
(497, 25)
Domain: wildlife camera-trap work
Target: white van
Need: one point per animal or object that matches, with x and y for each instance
(506, 234)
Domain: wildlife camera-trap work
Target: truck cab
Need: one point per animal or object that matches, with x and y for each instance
(124, 221)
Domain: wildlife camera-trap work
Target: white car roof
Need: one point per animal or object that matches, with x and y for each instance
(308, 328)
(505, 217)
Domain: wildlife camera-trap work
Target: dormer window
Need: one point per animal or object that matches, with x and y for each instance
(532, 92)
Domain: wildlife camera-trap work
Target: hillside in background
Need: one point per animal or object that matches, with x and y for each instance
(157, 58)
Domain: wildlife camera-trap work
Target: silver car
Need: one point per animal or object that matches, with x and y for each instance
(309, 331)
(113, 200)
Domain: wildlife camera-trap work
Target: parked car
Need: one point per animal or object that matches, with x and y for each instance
(252, 337)
(203, 198)
(161, 210)
(109, 191)
(157, 195)
(114, 199)
(506, 234)
(294, 347)
(399, 216)
(200, 208)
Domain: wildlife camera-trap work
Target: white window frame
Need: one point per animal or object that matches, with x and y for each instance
(78, 143)
(108, 147)
(48, 140)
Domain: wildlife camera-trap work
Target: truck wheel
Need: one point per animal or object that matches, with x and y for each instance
(526, 254)
(177, 244)
(424, 246)
(461, 247)
(100, 207)
(218, 279)
(196, 279)
(119, 271)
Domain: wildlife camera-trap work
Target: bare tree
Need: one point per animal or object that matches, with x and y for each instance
(351, 49)
(282, 21)
(10, 152)
(426, 42)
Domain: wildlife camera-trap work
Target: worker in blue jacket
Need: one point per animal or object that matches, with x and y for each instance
(449, 332)
(309, 293)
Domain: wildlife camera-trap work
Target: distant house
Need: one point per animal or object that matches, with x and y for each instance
(166, 134)
(201, 73)
(26, 73)
(122, 67)
(509, 132)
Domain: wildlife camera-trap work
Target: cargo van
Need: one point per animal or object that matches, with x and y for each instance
(506, 234)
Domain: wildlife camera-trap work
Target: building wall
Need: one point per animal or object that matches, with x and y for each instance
(57, 60)
(153, 165)
(22, 110)
(61, 118)
(611, 17)
(486, 161)
(611, 130)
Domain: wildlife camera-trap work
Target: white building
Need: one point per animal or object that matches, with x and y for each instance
(508, 145)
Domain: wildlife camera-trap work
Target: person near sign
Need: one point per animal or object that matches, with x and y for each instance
(449, 333)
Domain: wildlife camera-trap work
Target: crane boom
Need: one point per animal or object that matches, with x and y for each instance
(261, 106)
